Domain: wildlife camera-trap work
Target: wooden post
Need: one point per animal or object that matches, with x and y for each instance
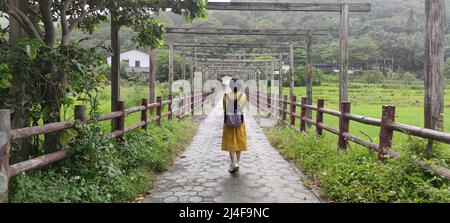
(269, 104)
(80, 113)
(144, 113)
(319, 116)
(303, 115)
(343, 56)
(158, 110)
(386, 133)
(170, 68)
(192, 103)
(344, 124)
(309, 74)
(285, 98)
(152, 79)
(272, 70)
(120, 121)
(191, 73)
(280, 70)
(291, 70)
(293, 109)
(170, 107)
(5, 149)
(183, 66)
(115, 62)
(434, 66)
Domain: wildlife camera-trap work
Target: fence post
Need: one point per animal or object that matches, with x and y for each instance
(5, 147)
(285, 98)
(386, 133)
(344, 124)
(192, 103)
(169, 107)
(319, 116)
(144, 113)
(269, 104)
(80, 113)
(303, 115)
(158, 110)
(293, 109)
(120, 123)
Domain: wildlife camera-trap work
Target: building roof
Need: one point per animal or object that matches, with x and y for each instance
(132, 50)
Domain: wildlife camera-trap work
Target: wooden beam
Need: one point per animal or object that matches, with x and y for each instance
(248, 32)
(434, 65)
(232, 55)
(230, 70)
(238, 45)
(232, 61)
(228, 67)
(343, 55)
(268, 6)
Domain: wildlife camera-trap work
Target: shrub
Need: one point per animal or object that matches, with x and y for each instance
(375, 77)
(300, 76)
(355, 175)
(100, 170)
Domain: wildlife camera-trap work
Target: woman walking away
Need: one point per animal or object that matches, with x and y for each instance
(234, 138)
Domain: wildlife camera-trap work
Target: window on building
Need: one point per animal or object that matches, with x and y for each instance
(137, 63)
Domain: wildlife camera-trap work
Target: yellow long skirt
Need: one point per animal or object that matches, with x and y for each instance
(234, 139)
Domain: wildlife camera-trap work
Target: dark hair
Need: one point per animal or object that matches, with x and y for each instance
(235, 84)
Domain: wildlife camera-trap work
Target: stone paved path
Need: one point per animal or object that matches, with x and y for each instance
(200, 174)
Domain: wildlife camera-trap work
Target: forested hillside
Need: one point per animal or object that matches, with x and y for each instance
(393, 29)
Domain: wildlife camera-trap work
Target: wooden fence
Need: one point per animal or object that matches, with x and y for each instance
(387, 126)
(187, 104)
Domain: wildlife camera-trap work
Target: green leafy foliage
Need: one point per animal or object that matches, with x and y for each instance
(375, 77)
(100, 170)
(356, 175)
(300, 76)
(5, 71)
(40, 68)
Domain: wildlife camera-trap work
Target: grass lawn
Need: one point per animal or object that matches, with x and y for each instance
(367, 100)
(132, 94)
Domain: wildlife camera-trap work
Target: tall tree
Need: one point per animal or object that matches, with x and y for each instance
(38, 21)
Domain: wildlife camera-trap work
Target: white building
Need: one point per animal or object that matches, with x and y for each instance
(138, 61)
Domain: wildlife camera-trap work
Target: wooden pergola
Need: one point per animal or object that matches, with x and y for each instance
(343, 8)
(268, 32)
(172, 46)
(434, 50)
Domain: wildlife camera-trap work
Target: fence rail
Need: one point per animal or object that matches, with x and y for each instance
(185, 102)
(386, 124)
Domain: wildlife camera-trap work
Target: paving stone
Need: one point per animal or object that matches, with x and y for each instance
(201, 172)
(171, 199)
(195, 199)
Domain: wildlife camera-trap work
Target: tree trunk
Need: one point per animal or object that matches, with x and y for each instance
(434, 66)
(21, 116)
